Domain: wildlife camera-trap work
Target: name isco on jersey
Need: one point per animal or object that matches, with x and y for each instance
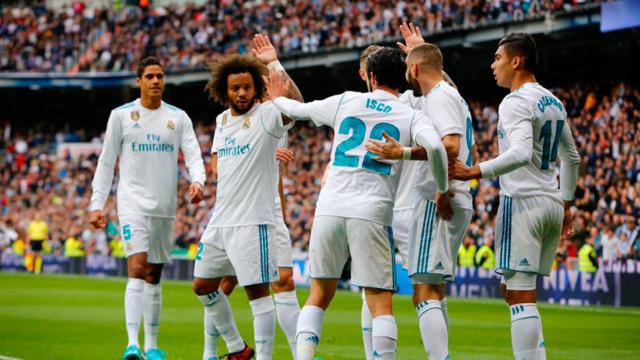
(154, 147)
(236, 150)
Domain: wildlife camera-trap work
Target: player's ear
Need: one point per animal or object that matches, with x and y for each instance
(415, 70)
(517, 62)
(138, 81)
(363, 74)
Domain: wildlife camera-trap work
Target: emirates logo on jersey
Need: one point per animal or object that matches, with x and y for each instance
(171, 125)
(246, 122)
(135, 115)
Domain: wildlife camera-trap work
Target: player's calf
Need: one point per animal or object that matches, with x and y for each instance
(527, 339)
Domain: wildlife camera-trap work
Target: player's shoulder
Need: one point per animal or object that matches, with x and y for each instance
(130, 106)
(409, 99)
(174, 109)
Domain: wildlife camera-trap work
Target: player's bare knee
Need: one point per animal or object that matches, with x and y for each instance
(228, 284)
(285, 283)
(257, 291)
(153, 273)
(203, 286)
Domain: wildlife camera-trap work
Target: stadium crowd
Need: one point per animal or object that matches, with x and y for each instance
(45, 192)
(85, 38)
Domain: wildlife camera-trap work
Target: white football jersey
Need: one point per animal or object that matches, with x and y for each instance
(406, 195)
(247, 168)
(450, 115)
(148, 142)
(357, 186)
(532, 117)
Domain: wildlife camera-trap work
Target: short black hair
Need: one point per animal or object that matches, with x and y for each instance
(148, 61)
(235, 64)
(522, 44)
(387, 64)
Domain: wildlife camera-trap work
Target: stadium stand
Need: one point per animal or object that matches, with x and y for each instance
(84, 38)
(606, 125)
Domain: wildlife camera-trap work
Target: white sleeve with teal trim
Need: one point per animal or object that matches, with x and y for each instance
(271, 119)
(569, 164)
(191, 150)
(321, 112)
(103, 178)
(516, 119)
(425, 135)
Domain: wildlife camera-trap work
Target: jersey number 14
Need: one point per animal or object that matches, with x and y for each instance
(549, 149)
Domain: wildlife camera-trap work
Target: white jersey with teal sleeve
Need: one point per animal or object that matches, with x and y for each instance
(147, 142)
(357, 186)
(247, 167)
(450, 115)
(532, 134)
(406, 195)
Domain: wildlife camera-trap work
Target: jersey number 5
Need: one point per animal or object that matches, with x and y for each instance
(550, 150)
(357, 128)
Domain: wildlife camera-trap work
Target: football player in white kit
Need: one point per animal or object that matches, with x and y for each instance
(285, 298)
(147, 135)
(238, 240)
(355, 207)
(532, 134)
(434, 241)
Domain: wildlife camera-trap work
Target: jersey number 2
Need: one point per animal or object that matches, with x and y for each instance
(357, 128)
(550, 150)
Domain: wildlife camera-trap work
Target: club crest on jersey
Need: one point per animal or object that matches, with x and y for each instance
(171, 125)
(246, 122)
(135, 115)
(224, 119)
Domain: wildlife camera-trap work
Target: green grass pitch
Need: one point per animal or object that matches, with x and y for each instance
(63, 317)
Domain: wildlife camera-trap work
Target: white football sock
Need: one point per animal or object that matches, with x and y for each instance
(288, 310)
(264, 326)
(385, 337)
(133, 305)
(433, 329)
(152, 307)
(217, 307)
(309, 331)
(211, 336)
(526, 332)
(367, 324)
(445, 311)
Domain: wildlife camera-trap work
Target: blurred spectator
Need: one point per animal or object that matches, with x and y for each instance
(467, 253)
(587, 260)
(485, 257)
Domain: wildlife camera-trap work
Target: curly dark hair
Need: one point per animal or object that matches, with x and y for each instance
(234, 64)
(387, 64)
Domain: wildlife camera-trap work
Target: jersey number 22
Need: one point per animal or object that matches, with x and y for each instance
(357, 128)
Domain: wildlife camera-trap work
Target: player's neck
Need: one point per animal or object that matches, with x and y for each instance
(151, 103)
(393, 92)
(521, 79)
(429, 82)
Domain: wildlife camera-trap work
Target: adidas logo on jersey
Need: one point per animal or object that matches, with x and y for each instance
(439, 266)
(524, 262)
(136, 126)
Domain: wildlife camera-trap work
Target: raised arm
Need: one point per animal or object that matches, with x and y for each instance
(266, 52)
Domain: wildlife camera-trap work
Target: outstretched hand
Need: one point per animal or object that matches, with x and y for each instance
(263, 49)
(412, 37)
(389, 150)
(277, 84)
